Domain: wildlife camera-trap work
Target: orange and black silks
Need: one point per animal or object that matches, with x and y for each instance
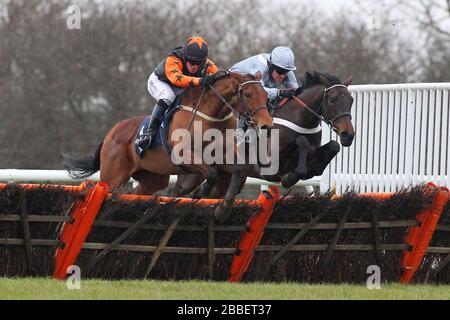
(173, 70)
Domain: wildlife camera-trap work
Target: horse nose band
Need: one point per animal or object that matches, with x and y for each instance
(249, 115)
(331, 122)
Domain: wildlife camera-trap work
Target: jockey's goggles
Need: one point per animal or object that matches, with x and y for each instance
(195, 62)
(279, 70)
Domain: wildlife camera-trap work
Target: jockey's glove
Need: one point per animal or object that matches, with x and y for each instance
(208, 80)
(287, 93)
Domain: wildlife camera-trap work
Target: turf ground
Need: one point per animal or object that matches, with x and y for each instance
(45, 288)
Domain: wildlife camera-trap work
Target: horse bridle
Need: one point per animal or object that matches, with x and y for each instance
(325, 105)
(324, 116)
(247, 114)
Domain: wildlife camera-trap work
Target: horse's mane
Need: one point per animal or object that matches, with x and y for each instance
(236, 74)
(311, 79)
(251, 76)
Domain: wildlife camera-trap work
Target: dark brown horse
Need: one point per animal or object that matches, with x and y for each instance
(118, 161)
(300, 152)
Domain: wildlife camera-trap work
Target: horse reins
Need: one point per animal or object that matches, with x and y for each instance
(248, 115)
(340, 115)
(324, 109)
(195, 111)
(225, 102)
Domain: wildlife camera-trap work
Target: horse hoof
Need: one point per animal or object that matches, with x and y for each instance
(222, 213)
(287, 181)
(285, 184)
(334, 147)
(196, 194)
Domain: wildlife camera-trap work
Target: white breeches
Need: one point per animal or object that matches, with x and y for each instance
(160, 90)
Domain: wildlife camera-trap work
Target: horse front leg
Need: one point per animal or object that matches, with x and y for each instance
(205, 188)
(223, 210)
(291, 178)
(318, 162)
(185, 184)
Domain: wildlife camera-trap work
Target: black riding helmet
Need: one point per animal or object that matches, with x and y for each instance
(196, 50)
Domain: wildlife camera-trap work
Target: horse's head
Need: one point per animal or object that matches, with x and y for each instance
(249, 98)
(337, 105)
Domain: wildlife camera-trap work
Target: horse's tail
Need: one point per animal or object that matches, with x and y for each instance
(82, 167)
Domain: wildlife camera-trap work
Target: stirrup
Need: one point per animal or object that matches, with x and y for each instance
(144, 141)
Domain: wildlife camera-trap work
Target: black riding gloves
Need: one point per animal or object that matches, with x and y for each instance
(287, 93)
(208, 80)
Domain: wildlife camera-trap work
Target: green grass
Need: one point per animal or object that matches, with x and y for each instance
(40, 288)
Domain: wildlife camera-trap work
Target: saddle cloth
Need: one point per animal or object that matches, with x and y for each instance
(160, 137)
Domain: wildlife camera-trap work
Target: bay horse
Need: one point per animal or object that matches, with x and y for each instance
(118, 161)
(300, 152)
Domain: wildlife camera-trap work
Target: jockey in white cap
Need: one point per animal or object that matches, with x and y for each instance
(277, 75)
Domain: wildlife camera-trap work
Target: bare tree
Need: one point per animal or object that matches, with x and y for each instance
(432, 19)
(64, 89)
(431, 15)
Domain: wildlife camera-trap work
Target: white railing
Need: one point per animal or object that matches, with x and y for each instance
(402, 138)
(61, 176)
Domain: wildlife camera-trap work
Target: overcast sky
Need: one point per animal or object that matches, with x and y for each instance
(331, 5)
(383, 16)
(372, 12)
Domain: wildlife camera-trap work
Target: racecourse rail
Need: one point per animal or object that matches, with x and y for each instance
(402, 138)
(61, 176)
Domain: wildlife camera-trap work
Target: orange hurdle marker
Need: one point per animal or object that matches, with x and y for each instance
(419, 237)
(252, 237)
(74, 233)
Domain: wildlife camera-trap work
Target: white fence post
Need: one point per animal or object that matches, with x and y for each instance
(402, 136)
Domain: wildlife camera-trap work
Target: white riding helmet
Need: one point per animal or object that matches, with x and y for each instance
(283, 57)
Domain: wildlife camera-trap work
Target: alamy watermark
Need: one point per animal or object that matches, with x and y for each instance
(73, 281)
(374, 280)
(73, 20)
(373, 20)
(212, 146)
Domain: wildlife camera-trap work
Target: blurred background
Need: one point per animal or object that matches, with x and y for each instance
(63, 88)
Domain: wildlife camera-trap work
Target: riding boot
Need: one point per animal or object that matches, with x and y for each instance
(157, 117)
